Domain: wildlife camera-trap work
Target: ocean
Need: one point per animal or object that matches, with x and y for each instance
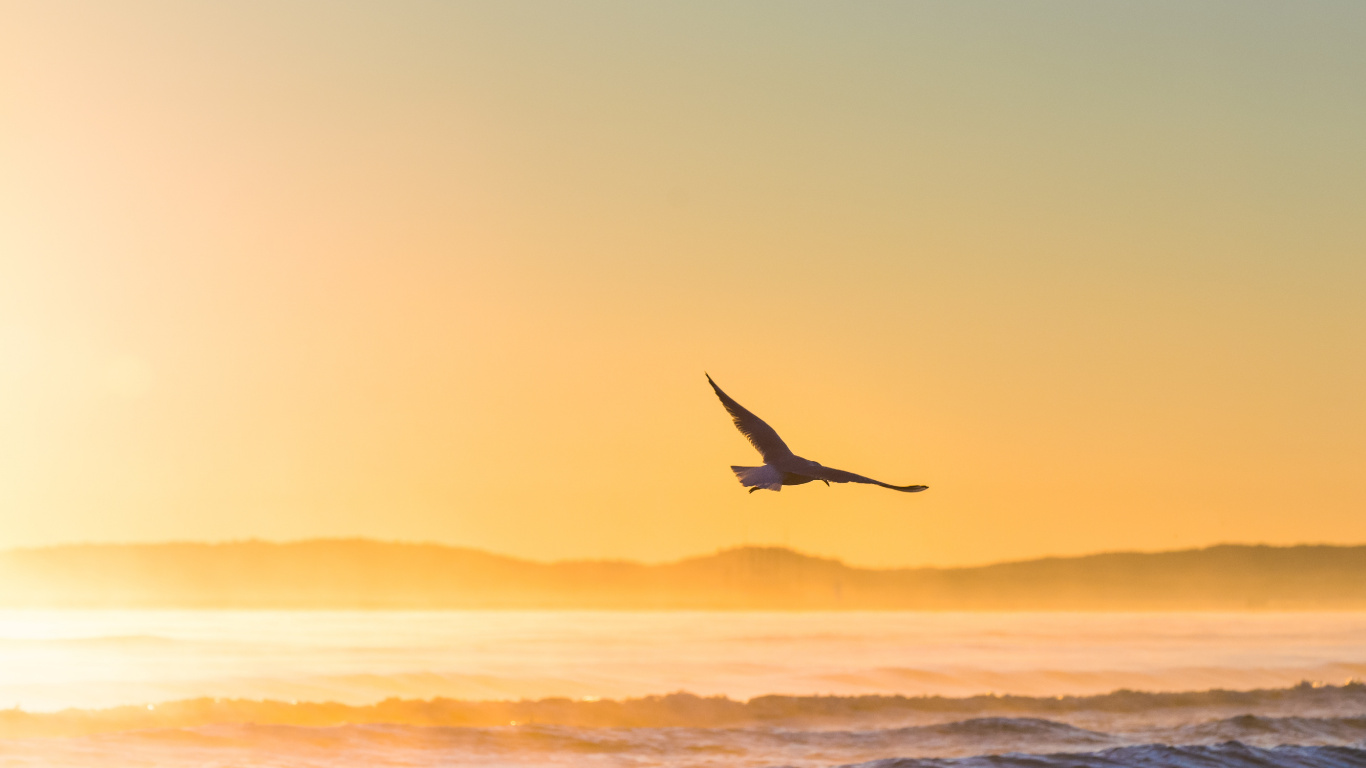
(641, 689)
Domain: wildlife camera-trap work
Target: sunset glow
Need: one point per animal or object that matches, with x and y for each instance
(453, 272)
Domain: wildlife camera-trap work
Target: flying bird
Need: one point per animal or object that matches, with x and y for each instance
(781, 466)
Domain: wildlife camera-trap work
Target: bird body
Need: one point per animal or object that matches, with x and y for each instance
(782, 466)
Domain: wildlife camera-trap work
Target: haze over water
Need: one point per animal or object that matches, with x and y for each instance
(102, 658)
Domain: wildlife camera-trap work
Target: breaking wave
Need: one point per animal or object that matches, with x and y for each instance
(1227, 755)
(980, 742)
(1303, 711)
(1305, 726)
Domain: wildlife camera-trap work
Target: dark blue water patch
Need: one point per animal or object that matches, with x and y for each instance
(1283, 730)
(1230, 754)
(1013, 728)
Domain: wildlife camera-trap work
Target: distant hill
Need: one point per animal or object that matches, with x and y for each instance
(371, 574)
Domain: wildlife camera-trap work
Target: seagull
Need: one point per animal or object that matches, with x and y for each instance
(781, 466)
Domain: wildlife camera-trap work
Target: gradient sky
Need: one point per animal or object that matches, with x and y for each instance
(1095, 272)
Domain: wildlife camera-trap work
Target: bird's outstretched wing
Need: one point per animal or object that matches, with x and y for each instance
(759, 434)
(840, 476)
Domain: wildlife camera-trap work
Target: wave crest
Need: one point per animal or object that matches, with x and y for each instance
(1227, 755)
(977, 713)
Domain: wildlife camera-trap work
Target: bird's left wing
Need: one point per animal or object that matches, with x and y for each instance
(833, 475)
(760, 435)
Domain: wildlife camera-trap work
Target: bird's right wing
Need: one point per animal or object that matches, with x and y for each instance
(760, 435)
(840, 476)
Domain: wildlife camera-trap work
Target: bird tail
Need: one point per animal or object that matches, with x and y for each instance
(755, 478)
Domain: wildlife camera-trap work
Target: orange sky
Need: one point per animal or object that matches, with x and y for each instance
(1095, 273)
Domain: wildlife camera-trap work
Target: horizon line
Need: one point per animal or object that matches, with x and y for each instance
(674, 561)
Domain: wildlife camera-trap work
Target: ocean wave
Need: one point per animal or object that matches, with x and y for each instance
(1011, 727)
(972, 743)
(965, 737)
(1254, 728)
(1227, 755)
(1204, 713)
(972, 737)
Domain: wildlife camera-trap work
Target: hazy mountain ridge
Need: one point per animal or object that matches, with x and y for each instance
(361, 573)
